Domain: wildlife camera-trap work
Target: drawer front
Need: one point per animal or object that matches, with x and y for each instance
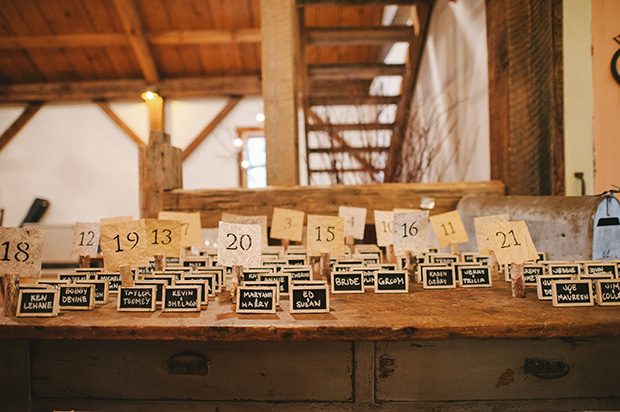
(461, 369)
(157, 370)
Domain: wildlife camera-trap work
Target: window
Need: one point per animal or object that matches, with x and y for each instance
(252, 158)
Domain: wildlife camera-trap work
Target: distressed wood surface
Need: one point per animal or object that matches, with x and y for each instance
(421, 314)
(322, 199)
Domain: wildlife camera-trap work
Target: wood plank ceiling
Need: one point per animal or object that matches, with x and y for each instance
(84, 50)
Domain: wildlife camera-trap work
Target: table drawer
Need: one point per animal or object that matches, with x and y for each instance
(463, 369)
(157, 370)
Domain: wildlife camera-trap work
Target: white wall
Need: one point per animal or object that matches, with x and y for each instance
(77, 158)
(453, 73)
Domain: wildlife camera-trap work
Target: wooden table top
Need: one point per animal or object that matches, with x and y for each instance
(421, 314)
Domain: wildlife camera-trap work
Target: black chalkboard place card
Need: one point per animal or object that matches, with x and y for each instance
(277, 264)
(37, 303)
(482, 259)
(181, 299)
(422, 266)
(172, 261)
(168, 278)
(594, 278)
(347, 282)
(138, 298)
(343, 268)
(196, 262)
(541, 256)
(572, 293)
(176, 272)
(219, 276)
(475, 276)
(531, 274)
(445, 259)
(301, 272)
(309, 283)
(91, 272)
(390, 281)
(562, 270)
(544, 285)
(295, 260)
(159, 288)
(76, 297)
(369, 275)
(387, 266)
(608, 292)
(438, 278)
(101, 290)
(350, 262)
(600, 269)
(211, 280)
(252, 274)
(72, 276)
(256, 299)
(204, 288)
(53, 283)
(283, 278)
(469, 257)
(266, 283)
(309, 299)
(113, 278)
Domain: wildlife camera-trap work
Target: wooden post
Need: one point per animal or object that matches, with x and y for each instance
(160, 170)
(517, 280)
(126, 275)
(455, 249)
(237, 279)
(11, 289)
(390, 256)
(315, 263)
(325, 267)
(279, 42)
(412, 262)
(84, 261)
(160, 263)
(350, 242)
(493, 265)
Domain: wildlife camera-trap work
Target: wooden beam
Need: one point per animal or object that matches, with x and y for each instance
(359, 35)
(323, 200)
(330, 127)
(132, 89)
(250, 35)
(8, 135)
(354, 71)
(280, 39)
(130, 19)
(326, 100)
(230, 105)
(168, 37)
(414, 59)
(103, 105)
(401, 17)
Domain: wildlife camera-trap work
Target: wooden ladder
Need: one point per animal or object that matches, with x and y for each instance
(354, 126)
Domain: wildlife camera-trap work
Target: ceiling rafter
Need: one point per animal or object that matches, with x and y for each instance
(130, 19)
(169, 37)
(105, 106)
(31, 109)
(247, 85)
(230, 105)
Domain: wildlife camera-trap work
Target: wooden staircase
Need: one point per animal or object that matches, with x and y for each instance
(354, 123)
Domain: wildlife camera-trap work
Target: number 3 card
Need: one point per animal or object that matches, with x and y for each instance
(287, 224)
(239, 244)
(164, 237)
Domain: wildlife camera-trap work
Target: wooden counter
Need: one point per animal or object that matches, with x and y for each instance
(422, 314)
(449, 350)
